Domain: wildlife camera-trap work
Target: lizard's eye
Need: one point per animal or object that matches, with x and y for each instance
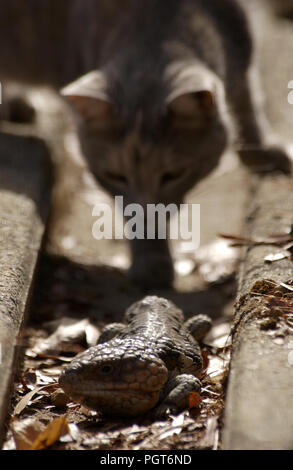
(107, 369)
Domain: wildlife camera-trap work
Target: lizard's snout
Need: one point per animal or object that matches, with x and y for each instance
(124, 385)
(69, 379)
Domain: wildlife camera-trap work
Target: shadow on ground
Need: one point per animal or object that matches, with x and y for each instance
(102, 293)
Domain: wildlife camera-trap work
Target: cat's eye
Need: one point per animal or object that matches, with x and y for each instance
(171, 176)
(116, 178)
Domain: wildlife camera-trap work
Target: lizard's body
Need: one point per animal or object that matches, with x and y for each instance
(153, 359)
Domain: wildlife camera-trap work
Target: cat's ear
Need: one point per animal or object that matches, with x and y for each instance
(193, 92)
(196, 105)
(88, 96)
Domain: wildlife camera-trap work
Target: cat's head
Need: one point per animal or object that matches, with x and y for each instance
(155, 149)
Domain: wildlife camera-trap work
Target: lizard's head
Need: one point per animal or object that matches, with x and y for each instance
(114, 380)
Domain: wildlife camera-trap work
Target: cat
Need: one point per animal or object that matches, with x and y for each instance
(159, 89)
(283, 8)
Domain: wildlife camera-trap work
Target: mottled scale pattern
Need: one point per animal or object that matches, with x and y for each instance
(128, 374)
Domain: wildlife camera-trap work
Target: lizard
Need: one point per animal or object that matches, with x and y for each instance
(152, 361)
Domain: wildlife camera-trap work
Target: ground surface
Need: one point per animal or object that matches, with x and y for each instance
(85, 280)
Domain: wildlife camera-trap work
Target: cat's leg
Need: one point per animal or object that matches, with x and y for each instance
(257, 147)
(152, 264)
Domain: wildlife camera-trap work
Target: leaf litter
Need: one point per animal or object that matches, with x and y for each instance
(52, 340)
(283, 241)
(276, 307)
(38, 399)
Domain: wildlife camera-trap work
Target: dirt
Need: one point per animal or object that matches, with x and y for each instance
(197, 428)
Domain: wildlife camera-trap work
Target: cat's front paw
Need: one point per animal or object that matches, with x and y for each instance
(152, 271)
(267, 159)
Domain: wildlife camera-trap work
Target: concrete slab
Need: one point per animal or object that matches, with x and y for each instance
(25, 181)
(260, 391)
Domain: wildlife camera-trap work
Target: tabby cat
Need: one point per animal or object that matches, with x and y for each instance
(160, 88)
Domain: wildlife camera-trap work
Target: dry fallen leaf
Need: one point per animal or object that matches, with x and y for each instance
(211, 437)
(29, 379)
(28, 397)
(57, 428)
(194, 400)
(276, 257)
(25, 432)
(71, 336)
(174, 429)
(287, 286)
(275, 239)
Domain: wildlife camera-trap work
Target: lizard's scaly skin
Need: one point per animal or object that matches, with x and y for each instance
(130, 374)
